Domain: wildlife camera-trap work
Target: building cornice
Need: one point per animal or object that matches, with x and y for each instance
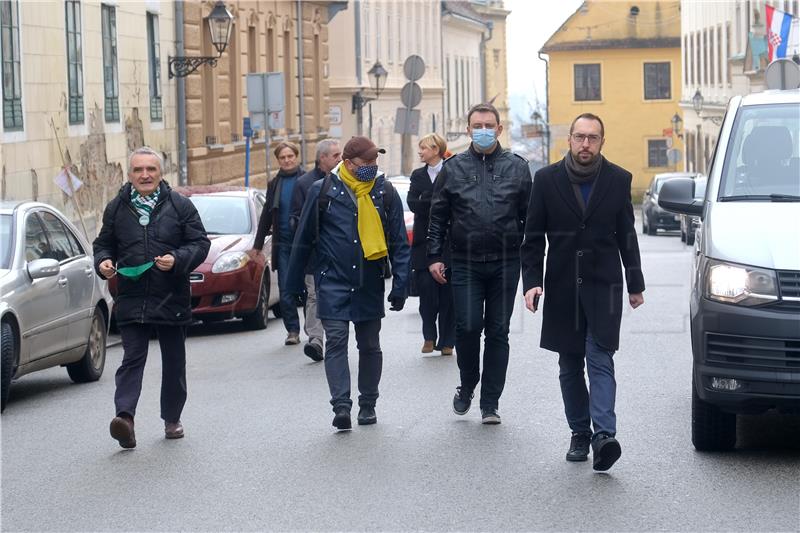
(605, 44)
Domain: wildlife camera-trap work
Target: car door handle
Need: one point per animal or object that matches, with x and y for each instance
(88, 271)
(62, 282)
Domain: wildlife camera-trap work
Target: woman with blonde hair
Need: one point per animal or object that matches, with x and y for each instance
(435, 300)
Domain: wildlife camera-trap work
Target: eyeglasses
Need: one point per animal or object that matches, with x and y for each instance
(580, 137)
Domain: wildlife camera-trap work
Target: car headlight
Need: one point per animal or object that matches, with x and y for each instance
(230, 261)
(742, 285)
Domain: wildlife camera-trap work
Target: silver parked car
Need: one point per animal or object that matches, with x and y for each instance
(54, 309)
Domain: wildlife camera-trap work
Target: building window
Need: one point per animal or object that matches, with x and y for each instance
(12, 82)
(587, 82)
(110, 73)
(74, 61)
(154, 62)
(657, 81)
(657, 153)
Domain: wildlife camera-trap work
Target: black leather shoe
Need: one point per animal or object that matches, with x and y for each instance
(313, 351)
(462, 401)
(366, 415)
(605, 450)
(341, 419)
(579, 447)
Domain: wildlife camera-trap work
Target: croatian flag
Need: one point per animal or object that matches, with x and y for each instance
(783, 34)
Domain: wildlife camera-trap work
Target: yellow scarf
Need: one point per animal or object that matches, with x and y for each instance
(370, 227)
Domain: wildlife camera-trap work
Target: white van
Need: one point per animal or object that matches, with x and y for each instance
(745, 300)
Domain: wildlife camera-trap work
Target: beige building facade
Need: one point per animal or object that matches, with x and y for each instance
(266, 36)
(385, 31)
(85, 84)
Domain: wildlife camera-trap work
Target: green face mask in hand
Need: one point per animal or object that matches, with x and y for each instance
(134, 272)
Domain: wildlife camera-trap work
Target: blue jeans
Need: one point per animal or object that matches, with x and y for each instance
(484, 294)
(595, 406)
(291, 320)
(337, 367)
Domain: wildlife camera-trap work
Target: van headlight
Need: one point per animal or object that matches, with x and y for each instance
(742, 285)
(230, 261)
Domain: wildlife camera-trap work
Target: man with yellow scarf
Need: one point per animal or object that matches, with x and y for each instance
(353, 232)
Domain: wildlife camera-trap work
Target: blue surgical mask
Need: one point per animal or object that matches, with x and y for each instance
(484, 138)
(366, 173)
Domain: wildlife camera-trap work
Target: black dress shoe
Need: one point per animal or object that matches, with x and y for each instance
(605, 450)
(366, 415)
(579, 447)
(313, 351)
(341, 419)
(462, 401)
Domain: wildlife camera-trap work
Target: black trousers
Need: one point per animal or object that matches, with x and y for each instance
(436, 301)
(135, 340)
(484, 296)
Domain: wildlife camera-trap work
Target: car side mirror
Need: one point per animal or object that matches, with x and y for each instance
(43, 268)
(677, 196)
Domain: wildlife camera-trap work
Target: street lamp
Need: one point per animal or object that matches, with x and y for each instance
(219, 26)
(677, 123)
(697, 101)
(377, 75)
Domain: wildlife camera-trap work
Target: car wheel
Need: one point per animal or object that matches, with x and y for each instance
(7, 362)
(651, 230)
(712, 428)
(90, 367)
(259, 318)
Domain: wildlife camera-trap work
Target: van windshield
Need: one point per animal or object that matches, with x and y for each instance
(763, 158)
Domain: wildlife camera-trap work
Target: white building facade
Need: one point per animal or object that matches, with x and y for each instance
(723, 47)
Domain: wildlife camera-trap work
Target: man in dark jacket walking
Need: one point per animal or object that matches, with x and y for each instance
(153, 238)
(328, 156)
(582, 204)
(347, 225)
(481, 197)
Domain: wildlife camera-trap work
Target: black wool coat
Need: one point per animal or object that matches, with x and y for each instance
(583, 280)
(175, 228)
(269, 221)
(419, 197)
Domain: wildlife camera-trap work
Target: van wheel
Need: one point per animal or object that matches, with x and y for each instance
(7, 360)
(90, 367)
(259, 318)
(712, 429)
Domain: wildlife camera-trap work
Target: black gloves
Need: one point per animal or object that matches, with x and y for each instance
(397, 303)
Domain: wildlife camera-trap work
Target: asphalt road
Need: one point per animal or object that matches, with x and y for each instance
(260, 454)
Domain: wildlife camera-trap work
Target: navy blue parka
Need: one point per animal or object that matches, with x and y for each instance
(349, 287)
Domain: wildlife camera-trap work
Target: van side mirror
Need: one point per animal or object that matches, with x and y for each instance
(677, 196)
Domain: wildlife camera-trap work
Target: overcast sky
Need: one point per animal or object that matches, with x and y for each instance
(530, 24)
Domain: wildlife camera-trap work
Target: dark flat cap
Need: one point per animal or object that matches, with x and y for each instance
(361, 148)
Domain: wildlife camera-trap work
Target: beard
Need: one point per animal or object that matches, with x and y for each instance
(584, 157)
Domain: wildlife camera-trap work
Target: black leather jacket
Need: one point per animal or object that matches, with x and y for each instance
(483, 200)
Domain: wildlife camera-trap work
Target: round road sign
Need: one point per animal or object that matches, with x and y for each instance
(411, 94)
(414, 67)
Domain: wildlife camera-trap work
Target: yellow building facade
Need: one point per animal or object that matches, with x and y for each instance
(621, 62)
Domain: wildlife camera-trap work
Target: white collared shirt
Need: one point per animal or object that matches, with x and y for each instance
(434, 171)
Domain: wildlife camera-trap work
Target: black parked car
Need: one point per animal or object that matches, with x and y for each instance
(690, 223)
(653, 217)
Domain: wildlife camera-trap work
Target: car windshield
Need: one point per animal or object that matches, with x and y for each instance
(223, 215)
(700, 187)
(5, 241)
(763, 158)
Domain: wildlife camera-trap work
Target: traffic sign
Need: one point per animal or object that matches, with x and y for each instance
(414, 67)
(411, 94)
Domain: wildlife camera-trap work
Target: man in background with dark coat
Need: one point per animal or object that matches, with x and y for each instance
(582, 205)
(328, 156)
(154, 238)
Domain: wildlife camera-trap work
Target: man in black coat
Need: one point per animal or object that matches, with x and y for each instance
(582, 204)
(481, 197)
(154, 238)
(329, 154)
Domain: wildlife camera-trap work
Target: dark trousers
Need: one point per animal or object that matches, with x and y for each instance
(135, 340)
(484, 295)
(595, 406)
(337, 367)
(436, 301)
(291, 320)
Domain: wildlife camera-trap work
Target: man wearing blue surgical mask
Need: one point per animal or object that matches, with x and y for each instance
(481, 199)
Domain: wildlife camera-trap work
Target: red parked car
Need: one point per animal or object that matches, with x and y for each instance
(233, 281)
(401, 185)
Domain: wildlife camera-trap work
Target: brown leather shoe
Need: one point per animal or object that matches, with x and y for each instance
(427, 347)
(447, 350)
(173, 430)
(121, 429)
(292, 338)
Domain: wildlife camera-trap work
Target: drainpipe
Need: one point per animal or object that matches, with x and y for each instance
(546, 107)
(301, 82)
(484, 40)
(181, 97)
(360, 110)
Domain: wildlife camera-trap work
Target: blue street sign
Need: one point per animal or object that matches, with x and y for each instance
(247, 130)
